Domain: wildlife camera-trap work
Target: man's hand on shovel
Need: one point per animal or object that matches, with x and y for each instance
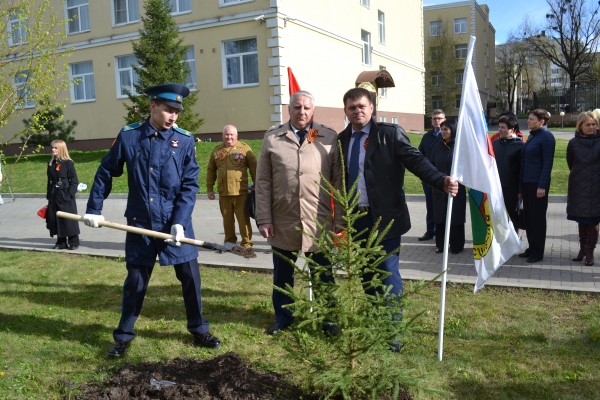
(177, 231)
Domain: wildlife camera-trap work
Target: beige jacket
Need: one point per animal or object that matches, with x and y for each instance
(231, 167)
(287, 190)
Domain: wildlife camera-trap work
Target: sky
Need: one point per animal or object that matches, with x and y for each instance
(507, 15)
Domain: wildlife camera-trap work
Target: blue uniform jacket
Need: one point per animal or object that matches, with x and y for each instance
(162, 174)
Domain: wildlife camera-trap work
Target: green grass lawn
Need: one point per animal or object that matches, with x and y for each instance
(29, 175)
(57, 313)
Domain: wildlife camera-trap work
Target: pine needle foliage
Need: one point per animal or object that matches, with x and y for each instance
(47, 125)
(161, 56)
(357, 364)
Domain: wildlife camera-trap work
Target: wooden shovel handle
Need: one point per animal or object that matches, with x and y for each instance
(139, 231)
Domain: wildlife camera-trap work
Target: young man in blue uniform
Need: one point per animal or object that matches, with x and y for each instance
(162, 174)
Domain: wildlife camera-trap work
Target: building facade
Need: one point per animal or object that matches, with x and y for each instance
(447, 31)
(239, 55)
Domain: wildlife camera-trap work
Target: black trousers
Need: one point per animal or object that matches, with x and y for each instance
(534, 218)
(283, 273)
(457, 236)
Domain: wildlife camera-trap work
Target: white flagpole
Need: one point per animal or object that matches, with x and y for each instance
(449, 214)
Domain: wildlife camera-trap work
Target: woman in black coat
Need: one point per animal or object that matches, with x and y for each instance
(583, 198)
(62, 187)
(507, 148)
(536, 172)
(441, 158)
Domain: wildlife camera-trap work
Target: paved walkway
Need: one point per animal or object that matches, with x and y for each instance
(21, 228)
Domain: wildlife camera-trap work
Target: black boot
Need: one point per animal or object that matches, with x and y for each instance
(592, 240)
(582, 241)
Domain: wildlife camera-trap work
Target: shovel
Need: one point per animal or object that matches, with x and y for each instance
(230, 247)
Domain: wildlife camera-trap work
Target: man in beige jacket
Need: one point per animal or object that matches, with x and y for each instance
(229, 163)
(288, 196)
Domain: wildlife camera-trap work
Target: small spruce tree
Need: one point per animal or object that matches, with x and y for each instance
(357, 364)
(161, 57)
(46, 125)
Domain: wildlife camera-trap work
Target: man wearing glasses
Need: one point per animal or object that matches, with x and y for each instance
(426, 148)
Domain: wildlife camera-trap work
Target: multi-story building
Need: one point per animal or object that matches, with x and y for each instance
(239, 54)
(448, 28)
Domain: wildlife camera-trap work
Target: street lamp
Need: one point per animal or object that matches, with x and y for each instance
(562, 114)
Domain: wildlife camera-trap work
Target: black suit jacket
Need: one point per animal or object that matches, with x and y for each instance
(389, 153)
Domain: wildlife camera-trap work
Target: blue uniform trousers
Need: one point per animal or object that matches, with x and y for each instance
(283, 273)
(134, 291)
(391, 264)
(429, 207)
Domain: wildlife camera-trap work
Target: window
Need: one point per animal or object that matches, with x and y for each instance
(17, 28)
(190, 82)
(82, 76)
(437, 79)
(436, 102)
(460, 51)
(381, 20)
(458, 76)
(395, 120)
(126, 76)
(78, 14)
(460, 25)
(232, 2)
(435, 28)
(366, 3)
(126, 11)
(457, 101)
(366, 50)
(382, 119)
(383, 90)
(181, 6)
(240, 63)
(436, 53)
(23, 90)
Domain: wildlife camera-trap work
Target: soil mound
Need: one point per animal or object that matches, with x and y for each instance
(226, 377)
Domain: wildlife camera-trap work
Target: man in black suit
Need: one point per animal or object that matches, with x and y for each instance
(426, 147)
(383, 151)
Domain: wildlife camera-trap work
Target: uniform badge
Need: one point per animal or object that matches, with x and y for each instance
(238, 156)
(174, 143)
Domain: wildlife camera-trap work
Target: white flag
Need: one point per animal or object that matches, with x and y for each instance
(474, 165)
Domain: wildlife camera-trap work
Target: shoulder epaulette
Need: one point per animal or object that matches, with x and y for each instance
(274, 127)
(132, 126)
(183, 131)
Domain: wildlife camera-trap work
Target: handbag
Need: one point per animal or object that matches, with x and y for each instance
(42, 212)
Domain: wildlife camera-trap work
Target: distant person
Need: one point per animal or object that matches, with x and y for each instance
(536, 170)
(229, 164)
(288, 196)
(134, 113)
(517, 130)
(426, 146)
(441, 158)
(60, 193)
(507, 149)
(162, 175)
(583, 198)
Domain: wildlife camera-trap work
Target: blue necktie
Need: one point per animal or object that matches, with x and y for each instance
(354, 156)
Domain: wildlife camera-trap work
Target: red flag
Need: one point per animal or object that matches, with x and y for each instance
(293, 84)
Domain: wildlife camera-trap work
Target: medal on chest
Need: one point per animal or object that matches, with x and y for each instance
(174, 143)
(238, 156)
